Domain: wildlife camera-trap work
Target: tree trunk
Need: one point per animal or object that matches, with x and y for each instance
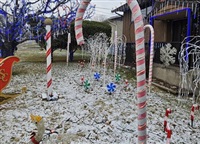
(71, 55)
(8, 49)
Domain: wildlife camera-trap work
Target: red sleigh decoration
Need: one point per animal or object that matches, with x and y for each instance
(6, 65)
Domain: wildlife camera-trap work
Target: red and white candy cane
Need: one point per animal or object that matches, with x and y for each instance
(140, 60)
(126, 83)
(82, 80)
(115, 63)
(194, 107)
(48, 23)
(140, 66)
(169, 133)
(68, 43)
(79, 21)
(168, 111)
(151, 54)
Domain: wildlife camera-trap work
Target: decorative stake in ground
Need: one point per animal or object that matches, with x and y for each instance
(82, 80)
(168, 111)
(126, 84)
(115, 64)
(169, 133)
(68, 43)
(97, 76)
(117, 77)
(50, 94)
(86, 85)
(111, 88)
(140, 66)
(194, 107)
(151, 54)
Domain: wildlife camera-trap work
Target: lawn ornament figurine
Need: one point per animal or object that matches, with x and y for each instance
(42, 137)
(36, 138)
(6, 65)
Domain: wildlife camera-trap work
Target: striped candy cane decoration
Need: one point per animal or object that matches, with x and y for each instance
(194, 107)
(48, 24)
(140, 66)
(151, 54)
(79, 21)
(82, 80)
(68, 42)
(115, 63)
(168, 111)
(169, 133)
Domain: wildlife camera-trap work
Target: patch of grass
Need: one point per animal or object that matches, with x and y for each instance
(127, 73)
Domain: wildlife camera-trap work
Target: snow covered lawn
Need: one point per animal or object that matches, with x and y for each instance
(95, 116)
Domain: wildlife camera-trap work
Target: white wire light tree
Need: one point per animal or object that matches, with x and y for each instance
(190, 78)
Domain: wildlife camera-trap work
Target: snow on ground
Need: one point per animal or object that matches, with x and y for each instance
(95, 116)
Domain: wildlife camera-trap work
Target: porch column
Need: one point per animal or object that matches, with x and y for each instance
(188, 30)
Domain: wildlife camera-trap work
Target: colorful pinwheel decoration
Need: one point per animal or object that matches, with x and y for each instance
(86, 85)
(111, 88)
(97, 76)
(117, 77)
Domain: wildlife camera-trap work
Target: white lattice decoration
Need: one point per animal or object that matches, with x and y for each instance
(167, 54)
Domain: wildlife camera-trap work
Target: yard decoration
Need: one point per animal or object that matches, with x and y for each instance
(194, 107)
(81, 64)
(36, 138)
(6, 66)
(50, 94)
(68, 43)
(86, 85)
(140, 67)
(41, 137)
(82, 80)
(126, 83)
(169, 133)
(97, 76)
(115, 63)
(189, 49)
(78, 21)
(151, 54)
(168, 111)
(111, 88)
(167, 54)
(140, 60)
(117, 77)
(98, 48)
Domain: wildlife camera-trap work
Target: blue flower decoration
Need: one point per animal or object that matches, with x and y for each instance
(97, 76)
(111, 87)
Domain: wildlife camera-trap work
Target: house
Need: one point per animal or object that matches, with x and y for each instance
(116, 24)
(172, 20)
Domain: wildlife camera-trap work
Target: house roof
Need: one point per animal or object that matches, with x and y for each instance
(115, 18)
(143, 4)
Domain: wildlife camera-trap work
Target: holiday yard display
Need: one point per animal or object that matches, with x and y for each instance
(140, 59)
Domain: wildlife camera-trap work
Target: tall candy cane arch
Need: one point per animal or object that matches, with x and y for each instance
(151, 54)
(140, 60)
